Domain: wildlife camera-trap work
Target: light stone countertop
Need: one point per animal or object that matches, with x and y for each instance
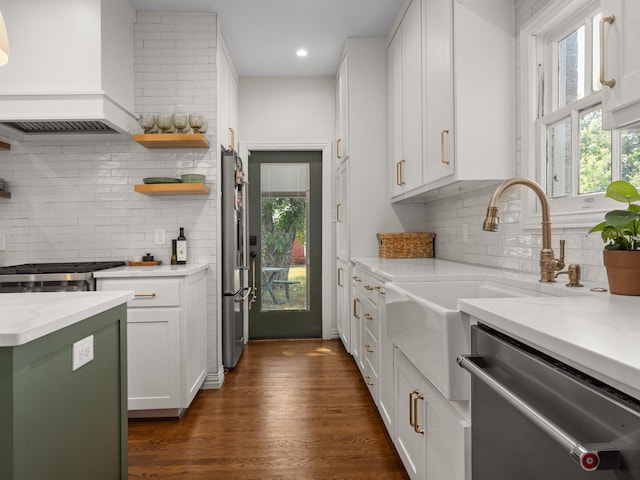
(151, 271)
(25, 317)
(598, 333)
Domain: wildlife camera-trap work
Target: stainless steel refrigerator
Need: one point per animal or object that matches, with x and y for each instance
(235, 292)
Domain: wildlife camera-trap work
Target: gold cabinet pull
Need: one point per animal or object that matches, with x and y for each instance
(356, 302)
(368, 381)
(400, 173)
(443, 157)
(368, 287)
(338, 212)
(368, 316)
(145, 295)
(608, 83)
(338, 142)
(416, 424)
(340, 277)
(368, 348)
(380, 290)
(357, 278)
(232, 134)
(412, 421)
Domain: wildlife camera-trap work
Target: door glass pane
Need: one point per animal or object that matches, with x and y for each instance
(571, 68)
(630, 148)
(284, 202)
(559, 159)
(595, 153)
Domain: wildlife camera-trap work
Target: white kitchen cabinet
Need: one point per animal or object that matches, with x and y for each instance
(466, 96)
(227, 97)
(431, 437)
(342, 212)
(621, 101)
(405, 102)
(361, 210)
(343, 300)
(374, 351)
(342, 111)
(166, 329)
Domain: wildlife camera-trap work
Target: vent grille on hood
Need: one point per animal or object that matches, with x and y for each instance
(35, 127)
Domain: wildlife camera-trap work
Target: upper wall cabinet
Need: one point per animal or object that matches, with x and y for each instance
(620, 67)
(342, 112)
(405, 102)
(227, 95)
(466, 124)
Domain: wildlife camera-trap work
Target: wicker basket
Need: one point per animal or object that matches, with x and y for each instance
(406, 245)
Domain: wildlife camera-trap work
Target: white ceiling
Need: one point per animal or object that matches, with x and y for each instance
(263, 35)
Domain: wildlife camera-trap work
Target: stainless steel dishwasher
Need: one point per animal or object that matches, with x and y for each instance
(536, 418)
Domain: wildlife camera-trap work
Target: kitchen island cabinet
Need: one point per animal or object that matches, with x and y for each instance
(61, 420)
(167, 333)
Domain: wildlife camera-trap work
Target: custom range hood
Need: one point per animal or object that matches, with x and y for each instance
(71, 68)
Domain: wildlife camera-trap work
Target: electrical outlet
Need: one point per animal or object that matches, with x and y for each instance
(161, 236)
(3, 242)
(82, 352)
(465, 233)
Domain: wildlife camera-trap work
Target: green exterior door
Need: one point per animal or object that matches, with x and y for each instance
(285, 244)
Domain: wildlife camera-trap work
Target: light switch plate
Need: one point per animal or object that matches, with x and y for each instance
(161, 236)
(82, 352)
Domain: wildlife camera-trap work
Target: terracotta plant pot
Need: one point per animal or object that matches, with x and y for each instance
(623, 271)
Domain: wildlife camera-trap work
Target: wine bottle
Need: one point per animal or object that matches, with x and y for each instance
(181, 248)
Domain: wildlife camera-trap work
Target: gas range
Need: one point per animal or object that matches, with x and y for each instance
(52, 277)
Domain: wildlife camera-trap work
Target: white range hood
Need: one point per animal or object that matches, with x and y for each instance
(71, 68)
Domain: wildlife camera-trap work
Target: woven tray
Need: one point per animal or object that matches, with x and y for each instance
(406, 245)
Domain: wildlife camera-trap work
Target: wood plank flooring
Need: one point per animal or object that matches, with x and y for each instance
(293, 409)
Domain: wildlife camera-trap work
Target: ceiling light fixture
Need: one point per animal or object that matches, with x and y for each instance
(4, 43)
(302, 52)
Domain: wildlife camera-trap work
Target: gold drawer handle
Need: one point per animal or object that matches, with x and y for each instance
(368, 348)
(357, 278)
(366, 380)
(368, 316)
(368, 287)
(145, 295)
(416, 425)
(607, 83)
(380, 290)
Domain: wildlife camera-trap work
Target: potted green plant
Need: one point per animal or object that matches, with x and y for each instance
(621, 233)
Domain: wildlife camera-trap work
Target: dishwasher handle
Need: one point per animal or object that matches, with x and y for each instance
(590, 457)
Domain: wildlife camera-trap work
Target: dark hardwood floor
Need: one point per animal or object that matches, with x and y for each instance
(294, 409)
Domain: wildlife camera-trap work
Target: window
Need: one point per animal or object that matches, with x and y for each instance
(564, 146)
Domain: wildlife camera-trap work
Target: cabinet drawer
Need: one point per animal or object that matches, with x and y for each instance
(149, 292)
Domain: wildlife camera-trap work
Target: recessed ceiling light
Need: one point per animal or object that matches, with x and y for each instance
(302, 52)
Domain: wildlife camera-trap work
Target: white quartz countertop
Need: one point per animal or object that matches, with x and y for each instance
(598, 333)
(25, 317)
(152, 271)
(417, 269)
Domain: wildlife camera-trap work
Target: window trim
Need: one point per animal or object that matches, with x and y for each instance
(583, 211)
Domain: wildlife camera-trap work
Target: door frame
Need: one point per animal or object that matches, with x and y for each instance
(328, 258)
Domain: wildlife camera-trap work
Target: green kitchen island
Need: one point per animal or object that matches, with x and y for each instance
(63, 382)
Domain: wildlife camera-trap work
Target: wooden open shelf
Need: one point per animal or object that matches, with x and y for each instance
(172, 140)
(4, 194)
(172, 188)
(5, 146)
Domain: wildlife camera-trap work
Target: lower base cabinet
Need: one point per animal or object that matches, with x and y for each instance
(167, 349)
(432, 439)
